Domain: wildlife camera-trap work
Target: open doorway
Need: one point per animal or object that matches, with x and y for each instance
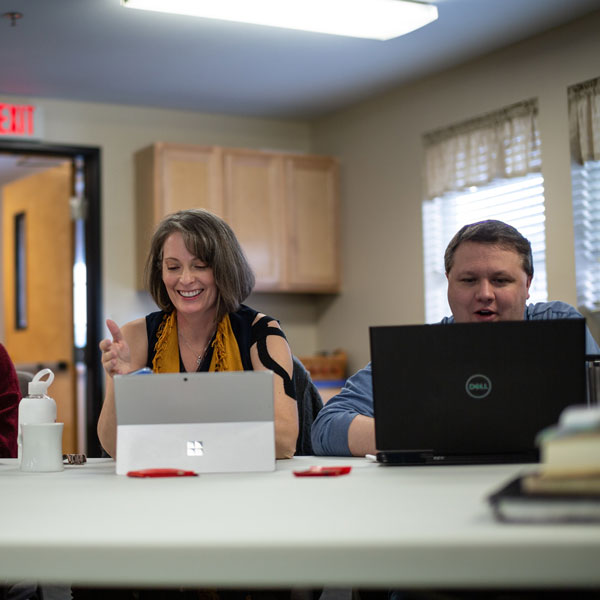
(47, 181)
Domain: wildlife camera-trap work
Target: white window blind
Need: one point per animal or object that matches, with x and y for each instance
(584, 119)
(487, 168)
(518, 202)
(586, 220)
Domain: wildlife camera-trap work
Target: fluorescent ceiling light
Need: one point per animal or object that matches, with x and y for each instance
(375, 19)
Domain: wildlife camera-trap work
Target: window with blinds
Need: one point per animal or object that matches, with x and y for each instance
(518, 202)
(586, 220)
(486, 168)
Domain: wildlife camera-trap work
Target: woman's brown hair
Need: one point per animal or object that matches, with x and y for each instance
(211, 240)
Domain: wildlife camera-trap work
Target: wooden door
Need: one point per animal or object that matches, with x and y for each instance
(313, 224)
(253, 196)
(44, 335)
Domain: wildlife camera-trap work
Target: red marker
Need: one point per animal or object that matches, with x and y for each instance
(161, 473)
(323, 472)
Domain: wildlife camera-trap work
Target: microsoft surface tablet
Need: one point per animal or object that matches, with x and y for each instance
(205, 422)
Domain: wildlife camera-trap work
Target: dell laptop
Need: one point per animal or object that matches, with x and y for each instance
(469, 393)
(204, 422)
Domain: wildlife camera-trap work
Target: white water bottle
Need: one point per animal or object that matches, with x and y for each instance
(37, 406)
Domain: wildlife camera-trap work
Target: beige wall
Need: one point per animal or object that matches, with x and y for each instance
(379, 145)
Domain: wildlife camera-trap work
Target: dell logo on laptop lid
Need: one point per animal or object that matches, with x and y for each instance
(478, 386)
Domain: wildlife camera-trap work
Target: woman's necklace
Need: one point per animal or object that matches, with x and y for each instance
(199, 356)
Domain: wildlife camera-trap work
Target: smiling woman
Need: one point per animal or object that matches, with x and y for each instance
(198, 276)
(190, 285)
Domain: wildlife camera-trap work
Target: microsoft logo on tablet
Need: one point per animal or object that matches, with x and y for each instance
(195, 448)
(478, 386)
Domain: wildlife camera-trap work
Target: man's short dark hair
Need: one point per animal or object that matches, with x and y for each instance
(496, 233)
(211, 240)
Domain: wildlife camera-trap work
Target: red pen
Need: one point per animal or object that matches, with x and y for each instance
(323, 471)
(161, 473)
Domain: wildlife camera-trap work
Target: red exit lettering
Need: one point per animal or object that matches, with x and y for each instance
(16, 119)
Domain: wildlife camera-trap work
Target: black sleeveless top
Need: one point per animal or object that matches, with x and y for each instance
(241, 323)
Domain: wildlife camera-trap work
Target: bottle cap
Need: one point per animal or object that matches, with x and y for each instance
(39, 386)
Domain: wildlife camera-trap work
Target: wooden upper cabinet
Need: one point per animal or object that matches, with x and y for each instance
(312, 213)
(190, 177)
(172, 177)
(283, 208)
(253, 194)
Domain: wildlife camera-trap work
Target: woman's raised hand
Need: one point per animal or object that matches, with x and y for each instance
(116, 356)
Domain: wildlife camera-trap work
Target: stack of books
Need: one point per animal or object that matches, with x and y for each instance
(566, 487)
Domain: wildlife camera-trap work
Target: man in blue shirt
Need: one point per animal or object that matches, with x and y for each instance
(489, 268)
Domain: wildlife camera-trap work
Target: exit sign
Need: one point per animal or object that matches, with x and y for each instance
(19, 120)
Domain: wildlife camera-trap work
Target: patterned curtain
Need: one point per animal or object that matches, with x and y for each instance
(498, 145)
(584, 121)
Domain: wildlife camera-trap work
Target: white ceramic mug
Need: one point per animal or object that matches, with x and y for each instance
(42, 447)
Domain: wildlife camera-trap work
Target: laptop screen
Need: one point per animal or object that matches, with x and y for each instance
(474, 392)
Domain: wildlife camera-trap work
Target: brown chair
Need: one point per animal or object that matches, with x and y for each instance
(309, 404)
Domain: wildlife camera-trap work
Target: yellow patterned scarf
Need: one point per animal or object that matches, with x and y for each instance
(226, 353)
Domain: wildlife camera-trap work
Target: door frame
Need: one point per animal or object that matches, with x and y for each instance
(93, 253)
